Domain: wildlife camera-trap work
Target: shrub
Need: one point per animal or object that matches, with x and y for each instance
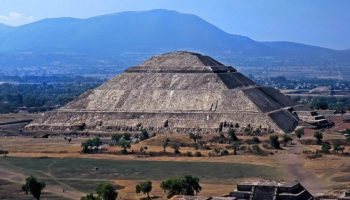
(325, 148)
(232, 135)
(286, 138)
(198, 154)
(189, 153)
(144, 135)
(235, 147)
(299, 133)
(176, 147)
(151, 153)
(165, 144)
(144, 187)
(257, 150)
(256, 140)
(216, 151)
(257, 131)
(242, 148)
(319, 136)
(274, 141)
(224, 152)
(248, 130)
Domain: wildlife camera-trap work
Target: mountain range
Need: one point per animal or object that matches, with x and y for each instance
(116, 41)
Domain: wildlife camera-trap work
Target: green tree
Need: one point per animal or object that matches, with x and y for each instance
(145, 188)
(144, 135)
(115, 138)
(319, 136)
(86, 146)
(195, 137)
(299, 133)
(325, 148)
(274, 141)
(257, 150)
(256, 140)
(187, 185)
(90, 197)
(4, 153)
(286, 138)
(176, 147)
(191, 185)
(165, 143)
(96, 142)
(232, 135)
(125, 144)
(235, 147)
(33, 186)
(106, 191)
(126, 136)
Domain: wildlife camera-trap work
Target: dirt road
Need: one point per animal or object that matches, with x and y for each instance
(293, 162)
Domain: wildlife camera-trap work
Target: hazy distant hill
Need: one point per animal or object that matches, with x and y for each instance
(127, 38)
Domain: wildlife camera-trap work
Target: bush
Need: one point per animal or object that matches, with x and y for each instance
(257, 150)
(224, 152)
(274, 141)
(242, 148)
(189, 153)
(232, 135)
(319, 136)
(198, 154)
(325, 148)
(286, 138)
(299, 133)
(151, 153)
(256, 140)
(248, 130)
(176, 147)
(144, 135)
(216, 151)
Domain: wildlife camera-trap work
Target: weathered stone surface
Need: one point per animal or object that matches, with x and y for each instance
(189, 91)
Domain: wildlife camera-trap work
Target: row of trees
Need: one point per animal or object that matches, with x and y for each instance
(187, 185)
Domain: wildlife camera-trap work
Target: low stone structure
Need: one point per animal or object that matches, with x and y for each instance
(177, 92)
(261, 190)
(271, 190)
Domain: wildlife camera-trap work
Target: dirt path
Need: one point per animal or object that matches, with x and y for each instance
(19, 178)
(293, 163)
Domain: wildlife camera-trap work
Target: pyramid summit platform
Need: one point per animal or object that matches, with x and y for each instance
(177, 92)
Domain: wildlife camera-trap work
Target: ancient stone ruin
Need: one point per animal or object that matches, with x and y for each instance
(176, 93)
(271, 190)
(261, 190)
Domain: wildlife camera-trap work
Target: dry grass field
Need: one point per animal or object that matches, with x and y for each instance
(60, 164)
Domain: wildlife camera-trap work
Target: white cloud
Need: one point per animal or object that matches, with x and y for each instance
(15, 19)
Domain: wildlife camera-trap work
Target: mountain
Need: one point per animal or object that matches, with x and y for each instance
(126, 31)
(126, 38)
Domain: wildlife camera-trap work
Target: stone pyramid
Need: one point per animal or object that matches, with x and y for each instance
(177, 92)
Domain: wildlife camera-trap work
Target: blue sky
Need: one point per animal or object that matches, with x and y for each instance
(319, 22)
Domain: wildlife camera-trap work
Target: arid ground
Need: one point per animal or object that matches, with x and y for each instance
(60, 164)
